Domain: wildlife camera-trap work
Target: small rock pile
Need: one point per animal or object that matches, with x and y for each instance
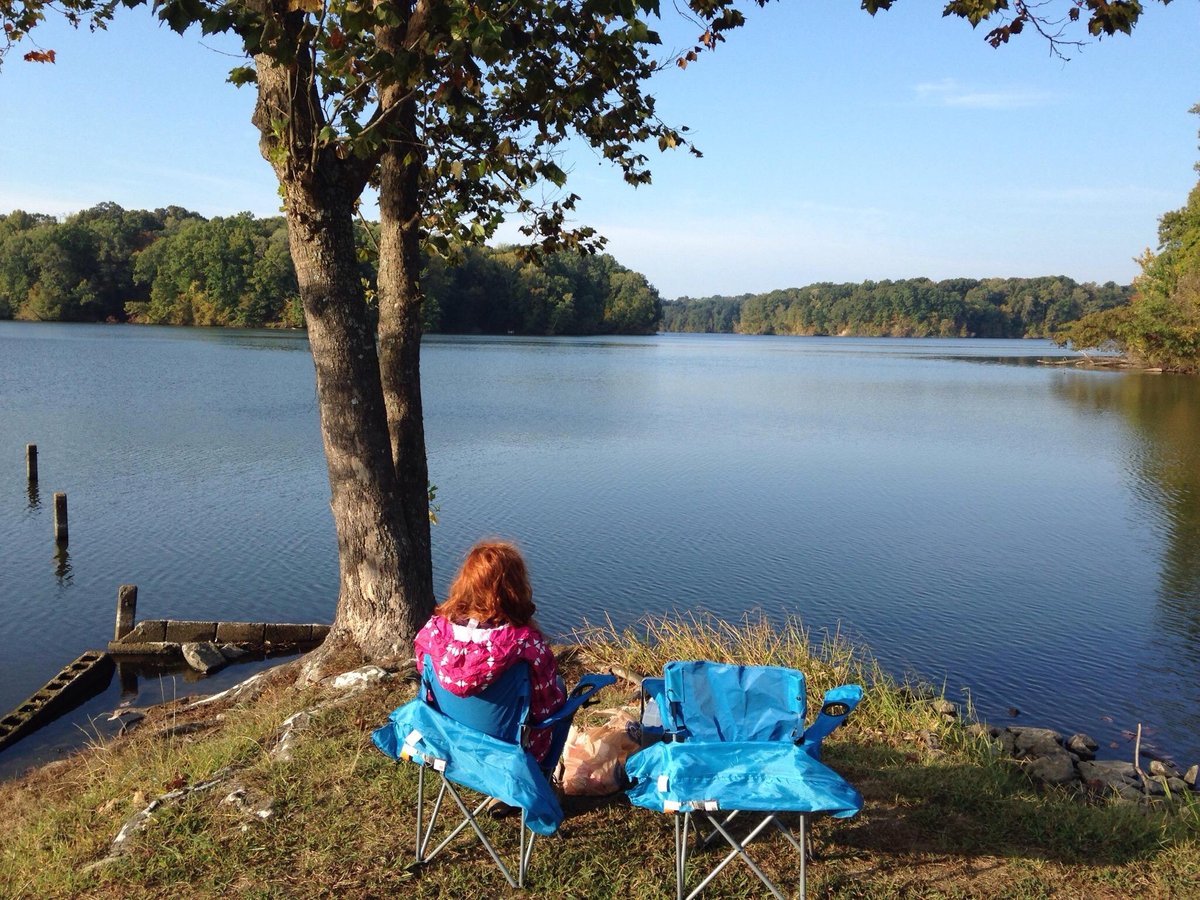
(1050, 758)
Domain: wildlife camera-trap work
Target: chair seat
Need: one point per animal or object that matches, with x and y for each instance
(471, 758)
(744, 775)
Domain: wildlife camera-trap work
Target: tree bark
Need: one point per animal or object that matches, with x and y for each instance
(398, 290)
(380, 602)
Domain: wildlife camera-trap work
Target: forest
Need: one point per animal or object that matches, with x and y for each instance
(916, 307)
(174, 267)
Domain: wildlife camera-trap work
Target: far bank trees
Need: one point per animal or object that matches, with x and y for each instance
(914, 307)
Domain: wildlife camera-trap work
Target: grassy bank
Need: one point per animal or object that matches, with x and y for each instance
(330, 816)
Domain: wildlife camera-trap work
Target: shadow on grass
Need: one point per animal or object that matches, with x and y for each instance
(983, 810)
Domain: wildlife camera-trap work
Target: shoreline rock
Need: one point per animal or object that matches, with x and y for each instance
(1049, 758)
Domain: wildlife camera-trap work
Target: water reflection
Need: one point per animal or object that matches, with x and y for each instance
(63, 572)
(288, 340)
(34, 496)
(1164, 412)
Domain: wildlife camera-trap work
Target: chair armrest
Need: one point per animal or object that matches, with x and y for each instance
(653, 700)
(579, 696)
(838, 703)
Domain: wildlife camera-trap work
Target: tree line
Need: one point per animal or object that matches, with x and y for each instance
(172, 266)
(165, 266)
(915, 307)
(175, 267)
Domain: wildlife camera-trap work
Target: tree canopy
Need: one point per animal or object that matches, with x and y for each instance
(1160, 328)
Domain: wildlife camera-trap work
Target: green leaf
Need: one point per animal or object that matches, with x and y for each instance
(974, 11)
(243, 75)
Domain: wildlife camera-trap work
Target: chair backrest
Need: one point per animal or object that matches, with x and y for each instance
(500, 710)
(710, 701)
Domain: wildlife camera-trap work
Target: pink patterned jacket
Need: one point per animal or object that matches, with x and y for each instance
(468, 658)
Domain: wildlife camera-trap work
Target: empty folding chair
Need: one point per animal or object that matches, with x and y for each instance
(733, 741)
(481, 742)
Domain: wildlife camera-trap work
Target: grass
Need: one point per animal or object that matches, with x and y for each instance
(944, 817)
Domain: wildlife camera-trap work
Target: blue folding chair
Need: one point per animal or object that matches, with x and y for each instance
(481, 742)
(734, 740)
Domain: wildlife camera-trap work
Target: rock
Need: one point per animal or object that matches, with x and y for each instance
(980, 730)
(359, 677)
(945, 708)
(1008, 742)
(1128, 792)
(917, 693)
(1177, 786)
(252, 803)
(1109, 770)
(1192, 775)
(1083, 746)
(1055, 768)
(1159, 767)
(1156, 787)
(232, 652)
(203, 656)
(1030, 743)
(1121, 778)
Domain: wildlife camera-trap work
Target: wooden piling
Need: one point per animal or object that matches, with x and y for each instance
(126, 610)
(31, 462)
(60, 518)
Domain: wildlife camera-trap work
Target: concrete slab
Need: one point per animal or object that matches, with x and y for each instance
(288, 634)
(240, 633)
(147, 632)
(190, 632)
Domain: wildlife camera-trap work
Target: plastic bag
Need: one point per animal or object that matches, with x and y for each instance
(593, 760)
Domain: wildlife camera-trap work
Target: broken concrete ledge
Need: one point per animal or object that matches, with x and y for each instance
(163, 637)
(78, 681)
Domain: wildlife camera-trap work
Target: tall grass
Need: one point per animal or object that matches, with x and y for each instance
(890, 711)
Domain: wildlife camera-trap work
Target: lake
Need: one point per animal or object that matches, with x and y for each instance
(1030, 533)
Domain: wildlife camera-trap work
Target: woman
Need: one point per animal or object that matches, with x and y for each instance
(485, 627)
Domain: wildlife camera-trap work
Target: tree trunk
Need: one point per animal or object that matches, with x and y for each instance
(399, 293)
(380, 603)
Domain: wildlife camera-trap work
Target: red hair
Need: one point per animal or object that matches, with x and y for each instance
(492, 587)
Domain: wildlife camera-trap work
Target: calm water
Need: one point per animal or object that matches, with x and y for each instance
(1028, 531)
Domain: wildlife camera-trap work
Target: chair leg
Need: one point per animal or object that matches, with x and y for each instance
(425, 833)
(526, 851)
(739, 850)
(469, 819)
(801, 847)
(714, 834)
(681, 828)
(803, 857)
(420, 808)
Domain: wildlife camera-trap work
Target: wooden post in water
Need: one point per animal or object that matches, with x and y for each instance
(60, 518)
(126, 610)
(31, 462)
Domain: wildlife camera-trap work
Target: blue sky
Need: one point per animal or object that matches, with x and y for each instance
(838, 147)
